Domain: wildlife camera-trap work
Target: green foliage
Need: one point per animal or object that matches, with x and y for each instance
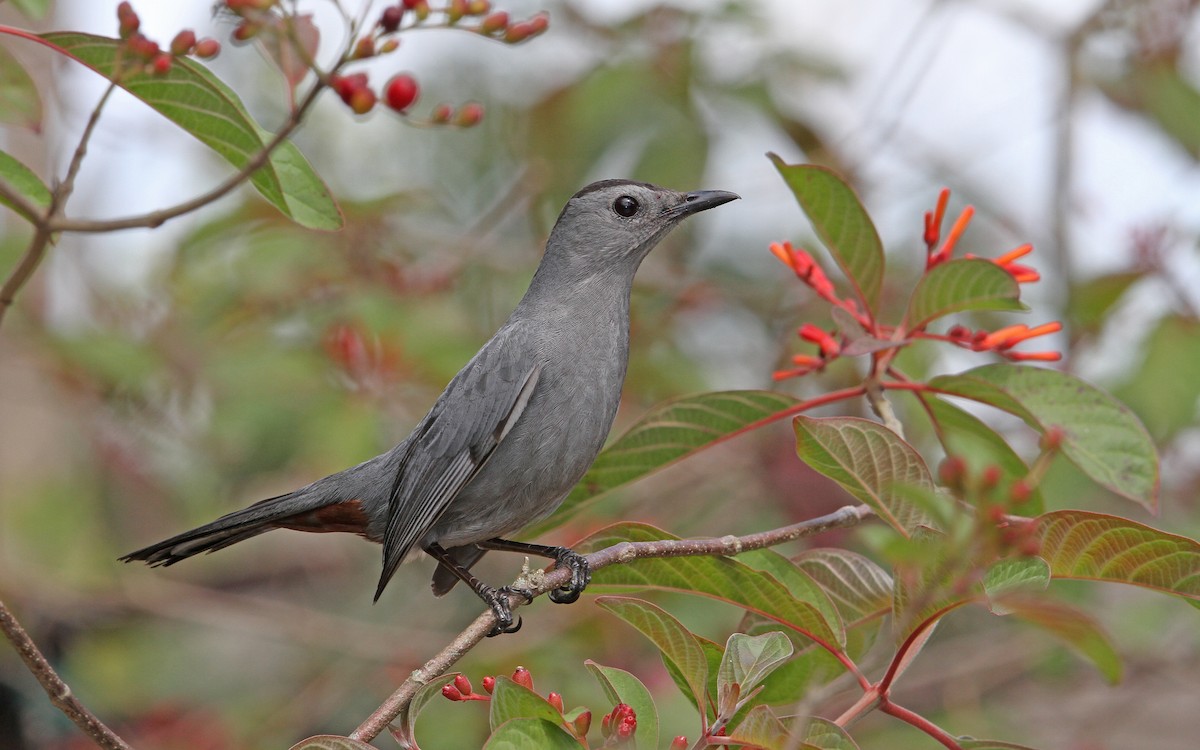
(959, 285)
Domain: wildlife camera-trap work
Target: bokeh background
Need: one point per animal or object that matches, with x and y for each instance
(152, 380)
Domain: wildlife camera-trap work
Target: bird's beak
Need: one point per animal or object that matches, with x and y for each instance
(702, 200)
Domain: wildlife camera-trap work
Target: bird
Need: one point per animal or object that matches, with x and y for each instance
(513, 431)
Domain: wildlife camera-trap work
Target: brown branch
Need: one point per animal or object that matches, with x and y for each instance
(158, 218)
(24, 208)
(621, 553)
(59, 692)
(44, 234)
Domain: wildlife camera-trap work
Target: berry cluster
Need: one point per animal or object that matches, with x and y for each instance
(145, 54)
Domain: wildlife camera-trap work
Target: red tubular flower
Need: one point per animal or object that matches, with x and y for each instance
(933, 220)
(828, 344)
(956, 232)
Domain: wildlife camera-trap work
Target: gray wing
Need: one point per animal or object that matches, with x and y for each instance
(472, 416)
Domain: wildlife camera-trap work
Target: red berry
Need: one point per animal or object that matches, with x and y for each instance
(401, 91)
(1020, 492)
(127, 20)
(518, 32)
(410, 4)
(390, 20)
(389, 46)
(162, 64)
(582, 723)
(449, 692)
(469, 115)
(489, 684)
(142, 47)
(207, 48)
(539, 23)
(345, 86)
(555, 699)
(245, 31)
(362, 101)
(183, 42)
(442, 114)
(463, 684)
(456, 10)
(478, 7)
(494, 23)
(990, 477)
(522, 677)
(679, 743)
(125, 10)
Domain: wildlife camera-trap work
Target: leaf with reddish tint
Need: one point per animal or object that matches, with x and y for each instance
(667, 433)
(280, 46)
(22, 179)
(523, 734)
(797, 581)
(1101, 547)
(715, 577)
(620, 686)
(1100, 435)
(858, 587)
(958, 285)
(840, 220)
(747, 661)
(1074, 627)
(512, 701)
(870, 462)
(190, 96)
(675, 642)
(762, 729)
(965, 436)
(330, 742)
(823, 734)
(19, 100)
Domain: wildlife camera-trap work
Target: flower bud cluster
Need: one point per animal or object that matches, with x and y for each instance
(140, 53)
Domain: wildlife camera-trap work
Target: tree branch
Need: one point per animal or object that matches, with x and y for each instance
(59, 692)
(624, 552)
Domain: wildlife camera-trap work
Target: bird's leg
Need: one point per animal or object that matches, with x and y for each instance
(496, 599)
(563, 557)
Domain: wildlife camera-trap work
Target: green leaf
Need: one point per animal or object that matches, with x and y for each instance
(1101, 436)
(869, 461)
(513, 701)
(964, 284)
(22, 179)
(797, 581)
(35, 9)
(1014, 575)
(523, 734)
(859, 588)
(1101, 547)
(747, 661)
(1164, 388)
(823, 734)
(19, 100)
(964, 435)
(404, 727)
(1088, 302)
(330, 742)
(676, 643)
(622, 687)
(667, 433)
(1074, 627)
(190, 96)
(762, 729)
(842, 224)
(714, 577)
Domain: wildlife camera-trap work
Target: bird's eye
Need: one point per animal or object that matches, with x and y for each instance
(626, 206)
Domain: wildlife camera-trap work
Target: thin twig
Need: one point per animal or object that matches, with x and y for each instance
(158, 218)
(59, 692)
(43, 235)
(623, 552)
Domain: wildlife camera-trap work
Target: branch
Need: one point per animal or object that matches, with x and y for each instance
(160, 217)
(624, 552)
(59, 692)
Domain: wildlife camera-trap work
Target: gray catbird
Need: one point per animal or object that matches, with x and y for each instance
(514, 430)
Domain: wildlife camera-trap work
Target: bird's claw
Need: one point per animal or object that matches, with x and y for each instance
(497, 599)
(581, 576)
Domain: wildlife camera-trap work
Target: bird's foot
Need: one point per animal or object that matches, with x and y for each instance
(581, 576)
(497, 599)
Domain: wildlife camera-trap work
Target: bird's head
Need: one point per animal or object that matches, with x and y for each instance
(612, 225)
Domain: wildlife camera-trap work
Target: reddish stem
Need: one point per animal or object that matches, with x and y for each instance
(920, 722)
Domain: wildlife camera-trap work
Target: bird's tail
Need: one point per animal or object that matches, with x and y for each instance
(226, 530)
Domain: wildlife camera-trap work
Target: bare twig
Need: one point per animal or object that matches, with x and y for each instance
(43, 235)
(624, 552)
(158, 218)
(59, 692)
